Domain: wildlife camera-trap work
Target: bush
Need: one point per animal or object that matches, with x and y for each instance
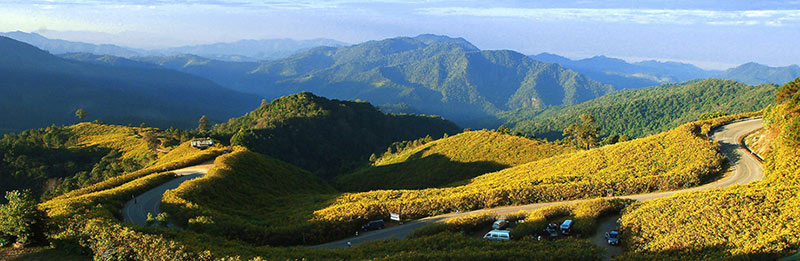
(21, 219)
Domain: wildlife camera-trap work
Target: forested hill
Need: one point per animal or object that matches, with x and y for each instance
(325, 135)
(640, 112)
(40, 89)
(433, 74)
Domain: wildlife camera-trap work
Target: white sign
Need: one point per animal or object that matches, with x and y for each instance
(395, 217)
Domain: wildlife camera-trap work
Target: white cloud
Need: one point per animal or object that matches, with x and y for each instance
(642, 16)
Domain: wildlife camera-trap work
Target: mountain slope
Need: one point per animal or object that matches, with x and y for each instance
(447, 160)
(225, 73)
(433, 74)
(57, 46)
(324, 135)
(41, 89)
(624, 75)
(753, 73)
(646, 111)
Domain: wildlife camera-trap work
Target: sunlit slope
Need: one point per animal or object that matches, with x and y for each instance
(51, 161)
(757, 221)
(448, 160)
(675, 159)
(249, 196)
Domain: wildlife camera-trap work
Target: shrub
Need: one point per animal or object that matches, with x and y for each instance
(21, 219)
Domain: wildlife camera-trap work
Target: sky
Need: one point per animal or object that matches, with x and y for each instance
(710, 34)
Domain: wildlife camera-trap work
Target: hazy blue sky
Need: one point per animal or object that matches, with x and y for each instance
(713, 34)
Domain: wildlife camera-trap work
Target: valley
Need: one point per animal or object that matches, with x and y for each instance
(392, 130)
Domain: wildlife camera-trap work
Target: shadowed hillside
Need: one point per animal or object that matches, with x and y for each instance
(40, 89)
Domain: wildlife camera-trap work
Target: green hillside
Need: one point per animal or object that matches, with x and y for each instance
(641, 112)
(756, 221)
(326, 136)
(40, 89)
(447, 160)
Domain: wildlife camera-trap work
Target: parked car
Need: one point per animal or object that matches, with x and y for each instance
(498, 235)
(566, 227)
(613, 237)
(552, 230)
(500, 224)
(373, 225)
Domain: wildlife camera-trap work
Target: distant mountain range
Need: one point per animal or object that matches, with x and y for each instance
(430, 74)
(426, 74)
(625, 75)
(242, 50)
(40, 89)
(753, 73)
(250, 50)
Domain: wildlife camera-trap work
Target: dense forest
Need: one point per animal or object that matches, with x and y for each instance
(641, 112)
(326, 136)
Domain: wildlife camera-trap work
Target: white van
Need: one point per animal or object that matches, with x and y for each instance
(498, 235)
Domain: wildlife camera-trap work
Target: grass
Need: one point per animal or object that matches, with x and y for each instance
(270, 195)
(452, 159)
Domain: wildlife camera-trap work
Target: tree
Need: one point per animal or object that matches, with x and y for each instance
(263, 102)
(80, 113)
(151, 140)
(203, 123)
(503, 130)
(20, 218)
(163, 218)
(788, 90)
(150, 219)
(585, 132)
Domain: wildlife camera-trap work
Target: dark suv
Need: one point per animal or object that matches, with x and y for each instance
(373, 225)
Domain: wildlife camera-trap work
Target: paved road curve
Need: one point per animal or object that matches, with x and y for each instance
(135, 210)
(744, 170)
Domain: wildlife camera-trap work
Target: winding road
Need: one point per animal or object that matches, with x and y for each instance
(744, 169)
(135, 210)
